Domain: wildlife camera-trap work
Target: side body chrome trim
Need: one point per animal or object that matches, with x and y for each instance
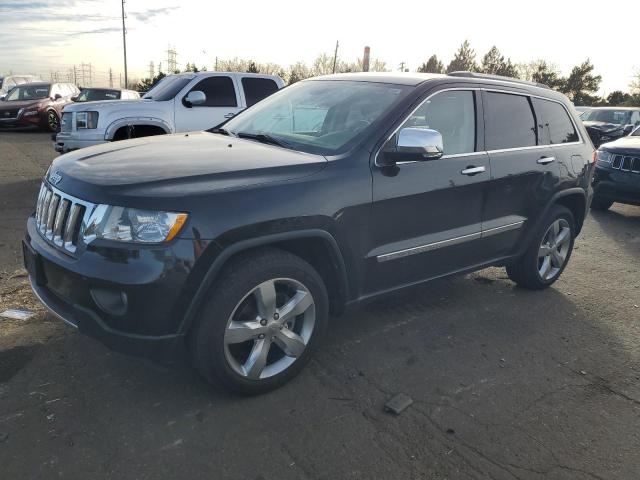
(449, 242)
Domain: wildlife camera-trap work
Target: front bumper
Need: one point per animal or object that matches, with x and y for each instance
(64, 142)
(130, 300)
(617, 186)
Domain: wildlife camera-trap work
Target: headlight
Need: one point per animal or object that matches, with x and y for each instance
(133, 225)
(86, 120)
(603, 156)
(29, 112)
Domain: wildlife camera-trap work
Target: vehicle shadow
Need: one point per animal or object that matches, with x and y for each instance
(504, 381)
(622, 225)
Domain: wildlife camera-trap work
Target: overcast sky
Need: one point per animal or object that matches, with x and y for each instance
(39, 36)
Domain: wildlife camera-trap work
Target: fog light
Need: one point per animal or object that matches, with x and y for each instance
(112, 302)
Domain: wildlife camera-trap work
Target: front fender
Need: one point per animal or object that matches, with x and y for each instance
(138, 120)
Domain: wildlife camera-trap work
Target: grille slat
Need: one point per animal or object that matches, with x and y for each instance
(626, 163)
(59, 217)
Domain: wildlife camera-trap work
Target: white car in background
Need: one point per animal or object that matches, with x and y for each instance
(10, 81)
(178, 103)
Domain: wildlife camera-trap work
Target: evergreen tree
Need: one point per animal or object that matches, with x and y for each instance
(463, 60)
(582, 84)
(433, 65)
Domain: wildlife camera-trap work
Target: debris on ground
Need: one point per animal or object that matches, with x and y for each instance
(398, 403)
(17, 314)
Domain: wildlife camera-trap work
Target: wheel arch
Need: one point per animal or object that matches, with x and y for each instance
(575, 199)
(312, 245)
(135, 121)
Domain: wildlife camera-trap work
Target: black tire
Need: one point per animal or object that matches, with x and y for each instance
(525, 270)
(601, 204)
(230, 291)
(52, 122)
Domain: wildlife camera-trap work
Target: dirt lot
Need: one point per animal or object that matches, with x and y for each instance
(507, 384)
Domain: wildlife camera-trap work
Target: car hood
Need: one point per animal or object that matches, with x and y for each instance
(175, 166)
(102, 105)
(603, 127)
(19, 104)
(627, 145)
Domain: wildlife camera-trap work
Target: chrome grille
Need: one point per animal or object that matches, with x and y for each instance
(60, 217)
(626, 163)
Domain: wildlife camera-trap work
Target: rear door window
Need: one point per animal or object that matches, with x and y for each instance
(255, 89)
(554, 125)
(509, 121)
(219, 90)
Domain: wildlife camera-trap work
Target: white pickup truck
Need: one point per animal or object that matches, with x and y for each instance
(178, 103)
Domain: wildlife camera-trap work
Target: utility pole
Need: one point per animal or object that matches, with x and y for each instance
(335, 57)
(402, 66)
(110, 78)
(75, 76)
(152, 71)
(215, 67)
(124, 44)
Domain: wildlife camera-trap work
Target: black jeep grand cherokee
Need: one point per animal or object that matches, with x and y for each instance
(234, 245)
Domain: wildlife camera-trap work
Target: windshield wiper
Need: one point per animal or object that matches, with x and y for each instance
(264, 138)
(220, 130)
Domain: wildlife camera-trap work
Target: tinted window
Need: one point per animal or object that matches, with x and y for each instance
(453, 114)
(509, 121)
(218, 90)
(554, 124)
(255, 89)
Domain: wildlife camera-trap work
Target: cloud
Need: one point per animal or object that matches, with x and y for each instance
(150, 14)
(98, 30)
(23, 5)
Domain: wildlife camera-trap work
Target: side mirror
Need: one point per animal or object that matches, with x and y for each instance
(413, 145)
(74, 98)
(628, 129)
(193, 98)
(57, 96)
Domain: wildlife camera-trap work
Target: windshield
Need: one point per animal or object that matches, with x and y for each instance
(28, 92)
(619, 117)
(91, 95)
(168, 87)
(322, 117)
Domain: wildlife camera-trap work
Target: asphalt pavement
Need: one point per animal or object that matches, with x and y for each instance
(505, 383)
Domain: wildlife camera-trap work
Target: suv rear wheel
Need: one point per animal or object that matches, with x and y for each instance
(549, 253)
(265, 315)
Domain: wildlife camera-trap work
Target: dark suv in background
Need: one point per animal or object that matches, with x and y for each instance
(37, 105)
(233, 245)
(617, 175)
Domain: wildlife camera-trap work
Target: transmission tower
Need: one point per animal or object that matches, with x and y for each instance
(152, 70)
(172, 59)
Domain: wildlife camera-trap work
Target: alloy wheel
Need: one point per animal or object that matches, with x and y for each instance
(554, 249)
(53, 122)
(269, 329)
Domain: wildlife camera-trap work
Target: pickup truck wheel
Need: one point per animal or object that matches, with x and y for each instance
(601, 204)
(549, 253)
(265, 315)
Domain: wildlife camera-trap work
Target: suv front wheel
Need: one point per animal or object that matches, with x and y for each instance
(266, 313)
(549, 252)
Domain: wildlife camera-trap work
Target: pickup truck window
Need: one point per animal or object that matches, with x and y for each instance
(323, 117)
(219, 91)
(255, 89)
(168, 87)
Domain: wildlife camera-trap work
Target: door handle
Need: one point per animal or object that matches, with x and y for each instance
(546, 160)
(230, 115)
(471, 170)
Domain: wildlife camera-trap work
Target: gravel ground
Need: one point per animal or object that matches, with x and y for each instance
(506, 383)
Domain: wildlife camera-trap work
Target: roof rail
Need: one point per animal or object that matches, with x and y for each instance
(497, 77)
